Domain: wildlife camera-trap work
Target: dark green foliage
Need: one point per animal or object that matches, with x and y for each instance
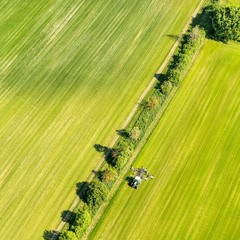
(166, 87)
(108, 175)
(221, 22)
(67, 235)
(226, 22)
(173, 74)
(95, 194)
(124, 150)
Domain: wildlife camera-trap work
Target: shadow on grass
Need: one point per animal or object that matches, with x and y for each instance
(49, 234)
(80, 189)
(123, 133)
(106, 151)
(129, 180)
(67, 215)
(173, 36)
(161, 78)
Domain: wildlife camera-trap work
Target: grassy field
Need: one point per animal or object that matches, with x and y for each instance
(194, 156)
(71, 71)
(232, 2)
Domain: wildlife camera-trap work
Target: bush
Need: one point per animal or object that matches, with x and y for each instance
(115, 153)
(120, 162)
(108, 175)
(82, 219)
(135, 134)
(152, 102)
(95, 194)
(67, 235)
(166, 87)
(173, 76)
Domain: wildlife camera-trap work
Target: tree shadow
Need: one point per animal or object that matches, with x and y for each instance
(66, 215)
(203, 20)
(129, 180)
(80, 187)
(106, 151)
(173, 36)
(100, 148)
(50, 234)
(97, 173)
(161, 78)
(123, 133)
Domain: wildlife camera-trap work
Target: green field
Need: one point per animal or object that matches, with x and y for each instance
(194, 155)
(71, 71)
(232, 2)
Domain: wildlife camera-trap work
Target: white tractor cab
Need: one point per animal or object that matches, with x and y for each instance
(140, 174)
(136, 182)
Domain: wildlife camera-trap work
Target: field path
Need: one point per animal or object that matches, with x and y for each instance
(133, 111)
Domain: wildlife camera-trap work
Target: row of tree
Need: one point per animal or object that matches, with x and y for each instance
(181, 61)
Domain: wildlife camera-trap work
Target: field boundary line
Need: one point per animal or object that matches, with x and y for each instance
(129, 118)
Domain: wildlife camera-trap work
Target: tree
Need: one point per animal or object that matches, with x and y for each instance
(95, 194)
(82, 219)
(226, 22)
(152, 102)
(166, 87)
(115, 153)
(67, 235)
(173, 76)
(108, 175)
(135, 134)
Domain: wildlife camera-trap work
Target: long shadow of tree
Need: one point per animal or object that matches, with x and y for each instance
(161, 78)
(49, 234)
(80, 189)
(173, 36)
(67, 216)
(106, 151)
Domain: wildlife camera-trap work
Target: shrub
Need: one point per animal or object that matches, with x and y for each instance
(120, 162)
(173, 76)
(108, 175)
(152, 102)
(67, 235)
(116, 152)
(135, 134)
(166, 87)
(95, 194)
(82, 219)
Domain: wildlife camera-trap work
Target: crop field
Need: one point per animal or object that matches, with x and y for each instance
(71, 71)
(194, 155)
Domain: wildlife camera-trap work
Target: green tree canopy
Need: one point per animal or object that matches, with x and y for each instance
(95, 194)
(67, 235)
(226, 22)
